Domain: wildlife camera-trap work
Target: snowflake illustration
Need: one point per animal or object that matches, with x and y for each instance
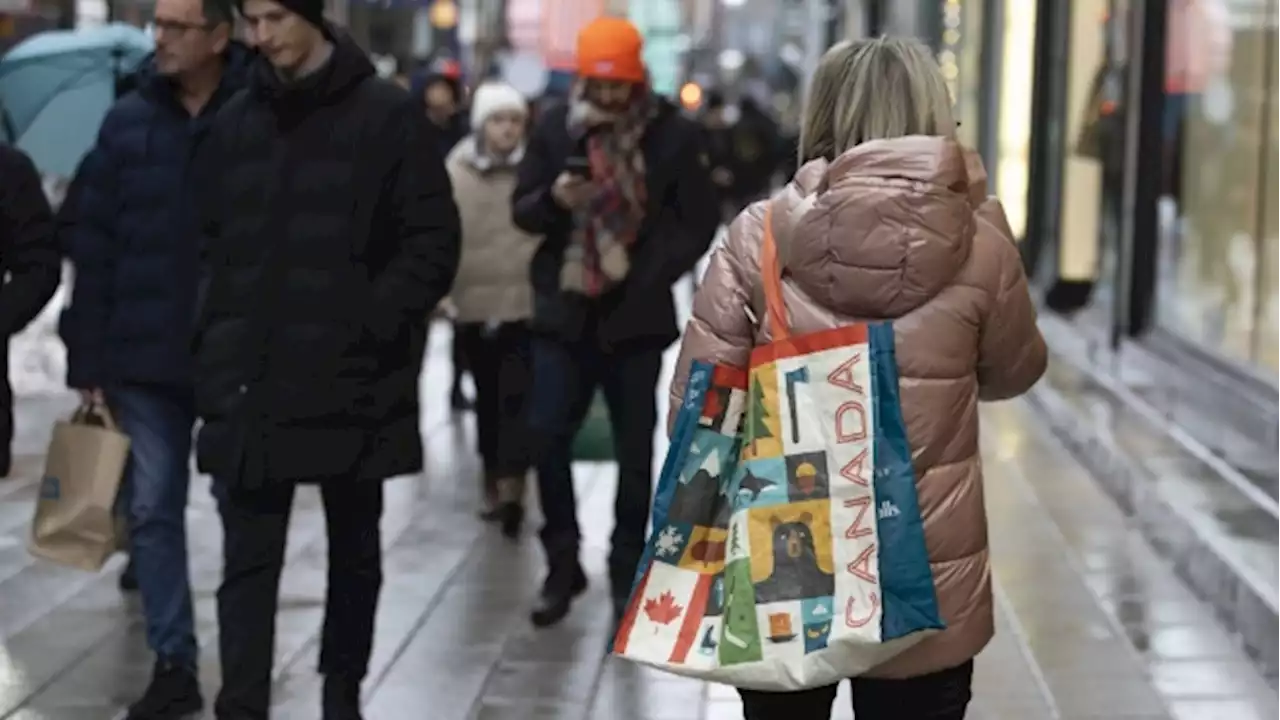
(669, 541)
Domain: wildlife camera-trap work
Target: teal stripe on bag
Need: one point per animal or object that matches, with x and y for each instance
(681, 439)
(910, 600)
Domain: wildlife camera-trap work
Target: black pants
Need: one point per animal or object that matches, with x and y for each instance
(939, 696)
(565, 380)
(6, 419)
(499, 364)
(461, 363)
(255, 525)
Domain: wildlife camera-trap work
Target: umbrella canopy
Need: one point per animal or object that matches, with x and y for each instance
(56, 87)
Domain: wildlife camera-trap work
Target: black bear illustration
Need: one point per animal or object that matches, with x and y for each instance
(695, 501)
(796, 574)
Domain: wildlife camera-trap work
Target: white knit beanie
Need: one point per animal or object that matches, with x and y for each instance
(492, 97)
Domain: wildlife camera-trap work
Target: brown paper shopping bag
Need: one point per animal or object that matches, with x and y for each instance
(75, 522)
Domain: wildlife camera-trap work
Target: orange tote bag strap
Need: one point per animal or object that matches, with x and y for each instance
(771, 277)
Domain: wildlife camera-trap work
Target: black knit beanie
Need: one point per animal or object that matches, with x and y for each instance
(310, 10)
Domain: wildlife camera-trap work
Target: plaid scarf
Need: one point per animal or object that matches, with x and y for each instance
(598, 256)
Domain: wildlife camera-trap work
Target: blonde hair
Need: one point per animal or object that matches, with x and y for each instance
(873, 89)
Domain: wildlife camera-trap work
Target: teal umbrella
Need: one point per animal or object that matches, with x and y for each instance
(55, 88)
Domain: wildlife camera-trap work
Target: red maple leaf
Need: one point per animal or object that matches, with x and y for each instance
(662, 610)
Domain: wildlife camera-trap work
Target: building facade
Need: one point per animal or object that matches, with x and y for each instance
(1134, 144)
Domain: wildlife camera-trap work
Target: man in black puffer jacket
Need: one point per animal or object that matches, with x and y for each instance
(330, 231)
(132, 235)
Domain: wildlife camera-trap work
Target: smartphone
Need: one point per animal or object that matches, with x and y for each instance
(578, 165)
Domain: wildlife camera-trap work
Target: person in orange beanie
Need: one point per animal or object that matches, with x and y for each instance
(618, 184)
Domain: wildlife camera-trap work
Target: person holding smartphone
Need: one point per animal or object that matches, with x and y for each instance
(619, 184)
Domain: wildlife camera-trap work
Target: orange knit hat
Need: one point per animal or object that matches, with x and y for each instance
(610, 48)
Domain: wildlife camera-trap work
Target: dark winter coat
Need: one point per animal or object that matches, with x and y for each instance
(133, 237)
(451, 133)
(29, 268)
(680, 222)
(65, 217)
(331, 232)
(755, 148)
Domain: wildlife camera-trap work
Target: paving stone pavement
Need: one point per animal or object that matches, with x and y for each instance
(1090, 623)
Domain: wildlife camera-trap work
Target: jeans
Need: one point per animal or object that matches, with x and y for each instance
(255, 527)
(942, 695)
(566, 377)
(154, 496)
(499, 362)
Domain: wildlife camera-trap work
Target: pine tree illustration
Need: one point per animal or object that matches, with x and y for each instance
(735, 541)
(756, 426)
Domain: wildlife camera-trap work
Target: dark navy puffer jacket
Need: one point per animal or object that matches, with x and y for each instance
(135, 243)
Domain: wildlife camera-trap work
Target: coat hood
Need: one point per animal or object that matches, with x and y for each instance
(883, 228)
(346, 68)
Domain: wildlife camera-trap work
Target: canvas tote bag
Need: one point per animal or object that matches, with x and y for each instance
(75, 520)
(788, 551)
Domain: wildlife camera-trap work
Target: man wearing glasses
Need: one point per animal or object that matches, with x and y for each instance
(128, 331)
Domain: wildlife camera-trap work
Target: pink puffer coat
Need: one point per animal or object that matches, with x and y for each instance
(901, 230)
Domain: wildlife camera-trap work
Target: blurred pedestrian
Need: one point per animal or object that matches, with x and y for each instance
(619, 183)
(719, 143)
(128, 328)
(330, 232)
(441, 92)
(756, 139)
(29, 269)
(492, 295)
(917, 241)
(442, 97)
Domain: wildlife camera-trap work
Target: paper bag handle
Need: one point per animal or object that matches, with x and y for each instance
(94, 413)
(771, 279)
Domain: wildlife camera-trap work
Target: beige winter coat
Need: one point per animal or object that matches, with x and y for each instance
(899, 229)
(493, 276)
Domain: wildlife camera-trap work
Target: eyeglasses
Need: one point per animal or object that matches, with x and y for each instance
(179, 27)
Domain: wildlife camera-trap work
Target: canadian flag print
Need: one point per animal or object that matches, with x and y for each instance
(665, 615)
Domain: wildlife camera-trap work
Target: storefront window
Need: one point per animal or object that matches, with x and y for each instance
(1088, 74)
(1269, 322)
(960, 56)
(1104, 138)
(1013, 148)
(1217, 260)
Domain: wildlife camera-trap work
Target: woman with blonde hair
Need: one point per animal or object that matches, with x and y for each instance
(888, 219)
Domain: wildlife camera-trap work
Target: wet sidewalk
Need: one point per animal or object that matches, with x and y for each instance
(1091, 624)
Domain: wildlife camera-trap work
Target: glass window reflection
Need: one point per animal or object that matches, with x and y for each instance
(1217, 261)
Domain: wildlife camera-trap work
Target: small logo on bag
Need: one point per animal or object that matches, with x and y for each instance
(50, 488)
(888, 510)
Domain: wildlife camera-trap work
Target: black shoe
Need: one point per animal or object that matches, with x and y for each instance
(341, 698)
(174, 694)
(459, 401)
(511, 520)
(129, 579)
(563, 584)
